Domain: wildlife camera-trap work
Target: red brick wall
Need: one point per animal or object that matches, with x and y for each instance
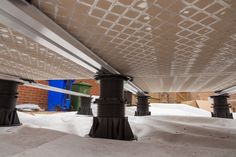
(33, 95)
(40, 97)
(95, 86)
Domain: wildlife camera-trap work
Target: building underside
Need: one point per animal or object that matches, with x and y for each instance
(165, 46)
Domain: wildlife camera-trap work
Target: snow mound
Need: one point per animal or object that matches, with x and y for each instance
(172, 109)
(172, 130)
(28, 107)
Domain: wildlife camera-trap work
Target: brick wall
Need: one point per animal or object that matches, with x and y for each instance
(33, 95)
(40, 97)
(95, 90)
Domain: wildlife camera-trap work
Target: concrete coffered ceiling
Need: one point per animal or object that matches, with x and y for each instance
(166, 45)
(22, 57)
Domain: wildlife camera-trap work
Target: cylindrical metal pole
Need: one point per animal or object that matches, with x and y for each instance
(111, 101)
(221, 107)
(8, 97)
(111, 121)
(142, 106)
(85, 106)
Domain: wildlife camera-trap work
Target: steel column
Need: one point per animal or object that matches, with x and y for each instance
(85, 106)
(8, 96)
(142, 106)
(221, 107)
(111, 122)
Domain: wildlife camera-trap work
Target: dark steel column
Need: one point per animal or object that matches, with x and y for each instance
(8, 96)
(85, 106)
(221, 107)
(142, 106)
(128, 98)
(111, 122)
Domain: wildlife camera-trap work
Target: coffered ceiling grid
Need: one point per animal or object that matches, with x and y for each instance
(20, 56)
(194, 29)
(177, 45)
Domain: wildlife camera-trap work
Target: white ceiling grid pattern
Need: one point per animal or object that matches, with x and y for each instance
(166, 45)
(19, 56)
(195, 28)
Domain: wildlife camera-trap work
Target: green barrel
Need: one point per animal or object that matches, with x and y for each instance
(81, 88)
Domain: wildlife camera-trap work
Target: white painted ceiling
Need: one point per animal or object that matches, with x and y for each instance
(166, 45)
(21, 57)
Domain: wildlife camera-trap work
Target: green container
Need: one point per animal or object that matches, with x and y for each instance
(80, 88)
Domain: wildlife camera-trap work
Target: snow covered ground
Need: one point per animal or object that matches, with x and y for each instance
(172, 130)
